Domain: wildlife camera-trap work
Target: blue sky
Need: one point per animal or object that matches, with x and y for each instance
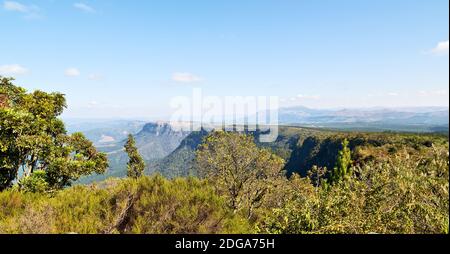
(129, 58)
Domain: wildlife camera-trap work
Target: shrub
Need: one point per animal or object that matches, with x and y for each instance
(402, 195)
(144, 205)
(36, 182)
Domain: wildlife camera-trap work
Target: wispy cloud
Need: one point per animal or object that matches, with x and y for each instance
(84, 7)
(30, 11)
(12, 69)
(441, 48)
(185, 77)
(72, 72)
(15, 6)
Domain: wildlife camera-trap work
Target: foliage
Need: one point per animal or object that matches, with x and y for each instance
(404, 190)
(239, 169)
(405, 194)
(136, 164)
(32, 138)
(343, 164)
(143, 205)
(36, 182)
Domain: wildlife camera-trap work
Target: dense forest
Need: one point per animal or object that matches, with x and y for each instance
(307, 182)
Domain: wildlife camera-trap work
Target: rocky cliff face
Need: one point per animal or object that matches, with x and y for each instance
(161, 129)
(154, 141)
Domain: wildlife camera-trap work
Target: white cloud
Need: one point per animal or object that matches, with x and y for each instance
(72, 72)
(84, 7)
(15, 6)
(393, 94)
(30, 11)
(185, 77)
(441, 48)
(13, 69)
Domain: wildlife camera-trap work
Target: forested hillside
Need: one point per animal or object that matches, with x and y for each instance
(303, 148)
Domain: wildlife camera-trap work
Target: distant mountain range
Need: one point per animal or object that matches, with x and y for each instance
(426, 115)
(421, 119)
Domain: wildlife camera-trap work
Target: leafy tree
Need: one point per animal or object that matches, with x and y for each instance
(344, 163)
(238, 169)
(33, 138)
(136, 164)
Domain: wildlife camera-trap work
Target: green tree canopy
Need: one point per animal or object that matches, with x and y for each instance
(33, 138)
(136, 164)
(239, 169)
(343, 164)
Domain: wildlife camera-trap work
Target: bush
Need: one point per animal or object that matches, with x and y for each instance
(144, 205)
(36, 182)
(402, 195)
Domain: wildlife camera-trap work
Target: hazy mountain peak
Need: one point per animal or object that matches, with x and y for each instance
(158, 128)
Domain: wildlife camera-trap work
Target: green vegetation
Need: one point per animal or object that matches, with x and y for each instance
(239, 169)
(136, 164)
(343, 164)
(141, 206)
(405, 194)
(34, 143)
(307, 182)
